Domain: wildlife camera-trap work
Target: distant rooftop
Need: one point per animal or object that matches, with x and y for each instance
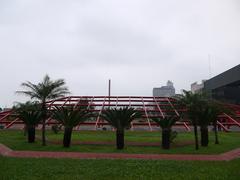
(164, 91)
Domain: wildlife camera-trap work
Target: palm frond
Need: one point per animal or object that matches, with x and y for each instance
(28, 112)
(166, 122)
(70, 116)
(120, 118)
(45, 90)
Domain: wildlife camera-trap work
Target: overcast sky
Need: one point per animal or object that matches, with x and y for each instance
(139, 44)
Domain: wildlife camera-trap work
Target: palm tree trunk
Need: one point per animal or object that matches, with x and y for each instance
(166, 138)
(25, 130)
(196, 136)
(216, 133)
(67, 136)
(204, 136)
(43, 132)
(44, 115)
(120, 139)
(31, 134)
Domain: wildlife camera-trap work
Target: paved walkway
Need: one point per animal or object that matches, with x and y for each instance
(5, 151)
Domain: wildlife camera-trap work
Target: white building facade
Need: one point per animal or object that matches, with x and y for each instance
(196, 88)
(164, 91)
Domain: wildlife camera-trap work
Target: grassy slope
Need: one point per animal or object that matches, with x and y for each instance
(30, 169)
(15, 140)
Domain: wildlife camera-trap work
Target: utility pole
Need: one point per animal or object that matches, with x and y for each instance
(109, 90)
(209, 64)
(210, 75)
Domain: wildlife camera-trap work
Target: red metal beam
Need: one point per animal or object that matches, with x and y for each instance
(151, 106)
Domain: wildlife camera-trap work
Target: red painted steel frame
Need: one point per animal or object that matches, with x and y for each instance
(150, 106)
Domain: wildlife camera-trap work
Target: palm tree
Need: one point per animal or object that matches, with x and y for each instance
(208, 113)
(216, 109)
(44, 91)
(193, 103)
(166, 124)
(30, 114)
(204, 119)
(70, 117)
(120, 119)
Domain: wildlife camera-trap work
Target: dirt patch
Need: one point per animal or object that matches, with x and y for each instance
(130, 143)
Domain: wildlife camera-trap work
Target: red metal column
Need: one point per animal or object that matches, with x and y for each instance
(158, 107)
(100, 112)
(145, 110)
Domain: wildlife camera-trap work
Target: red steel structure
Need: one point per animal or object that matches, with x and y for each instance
(150, 107)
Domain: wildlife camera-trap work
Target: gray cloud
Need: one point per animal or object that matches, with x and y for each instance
(138, 44)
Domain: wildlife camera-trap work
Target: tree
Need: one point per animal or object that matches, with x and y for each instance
(208, 113)
(193, 103)
(70, 117)
(166, 124)
(216, 109)
(120, 119)
(44, 91)
(204, 119)
(30, 114)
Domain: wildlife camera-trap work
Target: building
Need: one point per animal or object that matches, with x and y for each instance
(225, 86)
(196, 88)
(164, 91)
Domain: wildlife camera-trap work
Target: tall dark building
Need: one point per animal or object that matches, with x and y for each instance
(225, 86)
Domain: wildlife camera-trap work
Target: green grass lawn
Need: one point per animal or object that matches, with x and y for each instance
(31, 169)
(183, 143)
